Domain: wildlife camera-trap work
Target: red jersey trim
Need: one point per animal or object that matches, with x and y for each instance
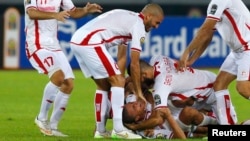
(236, 30)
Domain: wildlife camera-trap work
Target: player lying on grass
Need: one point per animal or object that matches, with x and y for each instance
(164, 78)
(149, 123)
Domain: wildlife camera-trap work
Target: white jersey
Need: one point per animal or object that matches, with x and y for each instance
(169, 80)
(112, 28)
(233, 22)
(43, 33)
(161, 131)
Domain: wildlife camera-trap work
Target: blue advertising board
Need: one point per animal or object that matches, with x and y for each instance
(170, 38)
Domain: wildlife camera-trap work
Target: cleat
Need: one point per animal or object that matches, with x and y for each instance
(57, 133)
(124, 135)
(99, 135)
(43, 126)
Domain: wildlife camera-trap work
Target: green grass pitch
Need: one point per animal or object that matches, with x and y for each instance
(20, 97)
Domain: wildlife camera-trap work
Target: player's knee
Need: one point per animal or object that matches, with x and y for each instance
(69, 83)
(187, 111)
(57, 78)
(244, 90)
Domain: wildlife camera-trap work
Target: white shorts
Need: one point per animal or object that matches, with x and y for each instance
(48, 62)
(203, 98)
(237, 64)
(199, 95)
(95, 61)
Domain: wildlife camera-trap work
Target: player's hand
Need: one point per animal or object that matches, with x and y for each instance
(183, 62)
(93, 8)
(62, 16)
(149, 132)
(181, 66)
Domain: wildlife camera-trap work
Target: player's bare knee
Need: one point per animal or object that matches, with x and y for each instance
(57, 78)
(186, 111)
(69, 84)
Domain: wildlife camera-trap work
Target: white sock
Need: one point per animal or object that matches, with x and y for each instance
(207, 120)
(117, 102)
(223, 107)
(233, 114)
(101, 110)
(49, 95)
(60, 104)
(183, 126)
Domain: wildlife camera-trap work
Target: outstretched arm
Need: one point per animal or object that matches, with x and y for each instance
(36, 14)
(198, 44)
(178, 132)
(87, 9)
(136, 74)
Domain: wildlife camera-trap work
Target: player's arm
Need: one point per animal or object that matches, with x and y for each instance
(136, 73)
(87, 9)
(122, 58)
(42, 15)
(198, 45)
(166, 114)
(154, 120)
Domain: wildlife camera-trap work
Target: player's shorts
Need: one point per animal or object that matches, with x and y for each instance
(197, 94)
(95, 61)
(237, 64)
(48, 62)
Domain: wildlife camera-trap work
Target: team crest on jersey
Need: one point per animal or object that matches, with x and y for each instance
(142, 40)
(213, 9)
(157, 99)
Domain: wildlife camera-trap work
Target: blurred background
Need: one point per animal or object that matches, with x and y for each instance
(182, 19)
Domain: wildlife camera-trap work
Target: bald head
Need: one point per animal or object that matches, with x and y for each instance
(152, 8)
(152, 16)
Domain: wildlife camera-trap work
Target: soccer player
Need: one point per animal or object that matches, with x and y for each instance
(89, 45)
(46, 56)
(150, 123)
(231, 19)
(162, 74)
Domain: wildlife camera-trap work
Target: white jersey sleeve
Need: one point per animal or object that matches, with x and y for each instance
(67, 5)
(216, 8)
(138, 36)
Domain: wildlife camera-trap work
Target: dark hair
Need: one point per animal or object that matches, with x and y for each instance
(126, 117)
(143, 65)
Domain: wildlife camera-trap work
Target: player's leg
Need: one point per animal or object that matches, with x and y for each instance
(223, 101)
(190, 120)
(243, 75)
(42, 61)
(223, 104)
(102, 109)
(190, 116)
(63, 95)
(91, 66)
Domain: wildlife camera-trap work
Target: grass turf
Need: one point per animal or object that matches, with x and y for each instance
(20, 97)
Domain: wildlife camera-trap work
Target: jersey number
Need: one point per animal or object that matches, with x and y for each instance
(48, 61)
